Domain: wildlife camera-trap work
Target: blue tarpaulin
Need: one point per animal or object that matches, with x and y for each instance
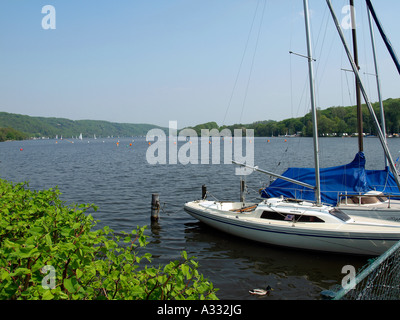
(350, 178)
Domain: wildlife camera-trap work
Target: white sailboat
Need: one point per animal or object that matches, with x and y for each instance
(299, 224)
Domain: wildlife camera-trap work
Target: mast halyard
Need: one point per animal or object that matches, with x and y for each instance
(358, 91)
(313, 108)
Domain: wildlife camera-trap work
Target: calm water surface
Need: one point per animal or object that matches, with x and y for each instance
(118, 179)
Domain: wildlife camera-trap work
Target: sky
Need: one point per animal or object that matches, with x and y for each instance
(190, 61)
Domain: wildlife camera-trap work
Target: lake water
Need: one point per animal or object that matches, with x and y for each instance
(119, 180)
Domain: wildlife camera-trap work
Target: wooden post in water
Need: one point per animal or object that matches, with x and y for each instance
(203, 192)
(155, 206)
(242, 190)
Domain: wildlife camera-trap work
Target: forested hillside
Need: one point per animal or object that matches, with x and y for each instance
(51, 127)
(331, 121)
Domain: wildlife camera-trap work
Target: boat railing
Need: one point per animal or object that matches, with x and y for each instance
(362, 198)
(345, 198)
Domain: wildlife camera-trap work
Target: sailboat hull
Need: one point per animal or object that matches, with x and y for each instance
(335, 238)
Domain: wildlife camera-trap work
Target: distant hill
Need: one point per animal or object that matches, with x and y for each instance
(333, 121)
(51, 127)
(208, 125)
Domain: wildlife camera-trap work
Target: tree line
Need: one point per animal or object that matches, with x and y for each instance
(51, 127)
(11, 134)
(333, 121)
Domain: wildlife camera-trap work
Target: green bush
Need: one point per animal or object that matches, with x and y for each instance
(49, 250)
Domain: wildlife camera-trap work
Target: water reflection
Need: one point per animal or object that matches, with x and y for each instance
(244, 264)
(120, 182)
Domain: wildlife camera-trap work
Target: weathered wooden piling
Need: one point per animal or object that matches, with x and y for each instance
(155, 206)
(242, 190)
(203, 192)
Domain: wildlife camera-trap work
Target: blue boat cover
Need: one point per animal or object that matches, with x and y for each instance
(350, 178)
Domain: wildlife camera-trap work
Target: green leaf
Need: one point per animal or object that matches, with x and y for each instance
(184, 255)
(68, 284)
(185, 270)
(21, 271)
(36, 231)
(27, 252)
(48, 239)
(66, 232)
(79, 273)
(5, 275)
(151, 272)
(76, 225)
(47, 295)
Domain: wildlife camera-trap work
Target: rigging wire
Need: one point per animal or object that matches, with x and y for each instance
(252, 62)
(351, 99)
(241, 61)
(290, 62)
(320, 74)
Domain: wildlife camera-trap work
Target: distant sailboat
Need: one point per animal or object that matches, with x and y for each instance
(80, 137)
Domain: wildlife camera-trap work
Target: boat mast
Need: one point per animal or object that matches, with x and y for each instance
(358, 91)
(378, 84)
(364, 93)
(313, 109)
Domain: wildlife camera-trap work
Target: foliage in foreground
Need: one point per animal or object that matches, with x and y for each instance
(48, 250)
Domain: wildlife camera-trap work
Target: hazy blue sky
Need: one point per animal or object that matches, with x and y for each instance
(193, 61)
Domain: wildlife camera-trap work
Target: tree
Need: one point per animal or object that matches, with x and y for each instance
(11, 134)
(325, 125)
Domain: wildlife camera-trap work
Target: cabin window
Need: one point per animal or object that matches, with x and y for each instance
(272, 215)
(339, 214)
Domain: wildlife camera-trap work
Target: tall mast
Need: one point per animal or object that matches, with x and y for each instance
(358, 91)
(364, 93)
(378, 84)
(313, 109)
